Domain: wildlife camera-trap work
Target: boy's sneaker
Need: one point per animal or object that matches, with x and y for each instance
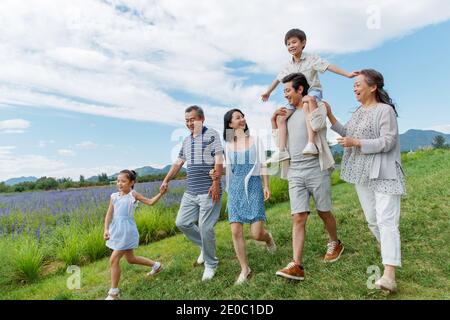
(279, 156)
(157, 267)
(272, 247)
(310, 149)
(334, 251)
(208, 274)
(292, 271)
(386, 284)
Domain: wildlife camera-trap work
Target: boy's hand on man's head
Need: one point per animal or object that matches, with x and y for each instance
(354, 74)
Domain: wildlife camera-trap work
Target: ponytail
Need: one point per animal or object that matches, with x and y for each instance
(374, 77)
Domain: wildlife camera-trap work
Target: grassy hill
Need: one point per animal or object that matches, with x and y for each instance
(425, 235)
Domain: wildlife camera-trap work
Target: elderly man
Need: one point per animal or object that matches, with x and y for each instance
(200, 207)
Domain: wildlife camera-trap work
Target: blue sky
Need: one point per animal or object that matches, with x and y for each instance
(76, 109)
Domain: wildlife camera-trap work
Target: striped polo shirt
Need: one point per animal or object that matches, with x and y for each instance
(198, 153)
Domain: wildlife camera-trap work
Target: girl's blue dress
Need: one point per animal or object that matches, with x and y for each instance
(123, 232)
(241, 209)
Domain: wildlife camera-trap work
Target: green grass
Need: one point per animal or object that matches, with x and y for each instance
(425, 235)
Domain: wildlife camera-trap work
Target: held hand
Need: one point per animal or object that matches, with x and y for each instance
(279, 112)
(106, 235)
(265, 96)
(266, 194)
(214, 192)
(213, 175)
(164, 187)
(348, 142)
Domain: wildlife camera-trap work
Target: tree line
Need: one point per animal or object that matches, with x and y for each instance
(49, 183)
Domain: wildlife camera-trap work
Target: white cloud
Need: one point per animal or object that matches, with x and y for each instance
(14, 126)
(444, 128)
(6, 150)
(12, 165)
(91, 57)
(66, 152)
(125, 59)
(86, 145)
(45, 143)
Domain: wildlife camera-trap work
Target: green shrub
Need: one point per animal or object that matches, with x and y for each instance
(27, 260)
(155, 223)
(93, 244)
(67, 243)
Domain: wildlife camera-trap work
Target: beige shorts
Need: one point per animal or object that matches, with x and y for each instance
(304, 183)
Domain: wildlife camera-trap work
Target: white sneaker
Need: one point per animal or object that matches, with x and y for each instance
(208, 274)
(243, 277)
(112, 295)
(310, 149)
(157, 267)
(279, 156)
(273, 247)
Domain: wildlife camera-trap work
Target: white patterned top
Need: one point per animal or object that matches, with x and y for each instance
(356, 166)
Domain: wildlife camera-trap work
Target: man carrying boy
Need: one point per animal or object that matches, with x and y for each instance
(308, 175)
(309, 65)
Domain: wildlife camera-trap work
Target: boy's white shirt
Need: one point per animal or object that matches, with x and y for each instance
(309, 65)
(318, 121)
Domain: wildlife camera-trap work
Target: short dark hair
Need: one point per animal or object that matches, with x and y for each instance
(297, 33)
(197, 109)
(298, 79)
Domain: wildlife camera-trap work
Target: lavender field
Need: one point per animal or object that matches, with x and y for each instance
(66, 201)
(39, 230)
(42, 233)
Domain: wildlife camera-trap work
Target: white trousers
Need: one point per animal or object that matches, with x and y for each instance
(382, 213)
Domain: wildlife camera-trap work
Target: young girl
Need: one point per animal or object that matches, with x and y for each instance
(121, 231)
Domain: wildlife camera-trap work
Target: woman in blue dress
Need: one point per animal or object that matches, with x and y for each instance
(247, 187)
(121, 231)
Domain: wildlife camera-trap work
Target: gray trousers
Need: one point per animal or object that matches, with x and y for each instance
(196, 219)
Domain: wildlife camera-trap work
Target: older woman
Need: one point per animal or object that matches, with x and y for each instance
(371, 161)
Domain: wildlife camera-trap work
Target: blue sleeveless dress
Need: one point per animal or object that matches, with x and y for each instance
(123, 232)
(241, 209)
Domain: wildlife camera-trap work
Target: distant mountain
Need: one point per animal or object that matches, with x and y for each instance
(148, 171)
(412, 139)
(144, 171)
(14, 181)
